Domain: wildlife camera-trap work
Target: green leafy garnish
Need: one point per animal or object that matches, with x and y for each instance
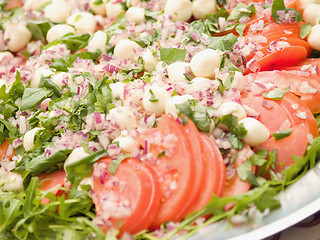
(282, 134)
(32, 97)
(73, 42)
(232, 123)
(115, 163)
(305, 30)
(278, 5)
(275, 94)
(170, 55)
(39, 30)
(153, 97)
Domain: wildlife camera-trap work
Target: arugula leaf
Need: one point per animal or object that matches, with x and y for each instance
(170, 55)
(39, 30)
(73, 42)
(278, 5)
(78, 170)
(42, 163)
(115, 163)
(10, 209)
(275, 94)
(305, 30)
(282, 134)
(32, 97)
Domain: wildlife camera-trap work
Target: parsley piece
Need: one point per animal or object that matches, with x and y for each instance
(282, 134)
(153, 97)
(115, 163)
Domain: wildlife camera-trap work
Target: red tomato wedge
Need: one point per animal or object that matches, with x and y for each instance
(131, 196)
(175, 170)
(213, 177)
(52, 182)
(234, 185)
(305, 86)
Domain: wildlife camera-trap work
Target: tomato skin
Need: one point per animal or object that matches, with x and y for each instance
(175, 171)
(135, 185)
(3, 149)
(53, 181)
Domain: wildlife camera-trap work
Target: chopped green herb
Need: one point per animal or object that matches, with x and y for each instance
(275, 94)
(170, 55)
(282, 134)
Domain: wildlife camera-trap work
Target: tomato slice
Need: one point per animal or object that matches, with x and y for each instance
(3, 149)
(234, 185)
(213, 177)
(305, 86)
(53, 182)
(131, 196)
(175, 168)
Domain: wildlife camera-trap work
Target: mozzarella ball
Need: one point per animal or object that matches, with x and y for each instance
(28, 138)
(36, 78)
(200, 8)
(198, 84)
(84, 22)
(34, 4)
(6, 54)
(177, 70)
(238, 81)
(304, 3)
(59, 31)
(179, 10)
(123, 117)
(127, 143)
(171, 104)
(57, 11)
(11, 182)
(98, 41)
(113, 9)
(135, 15)
(232, 108)
(257, 132)
(76, 155)
(314, 37)
(126, 49)
(99, 9)
(150, 61)
(154, 100)
(17, 35)
(310, 13)
(204, 63)
(61, 79)
(117, 90)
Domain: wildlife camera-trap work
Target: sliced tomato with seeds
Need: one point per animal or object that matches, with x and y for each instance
(129, 199)
(174, 164)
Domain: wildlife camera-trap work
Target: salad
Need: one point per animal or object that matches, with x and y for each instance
(151, 119)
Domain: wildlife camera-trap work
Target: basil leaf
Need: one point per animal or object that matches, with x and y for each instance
(170, 55)
(73, 42)
(98, 2)
(236, 143)
(241, 10)
(16, 89)
(115, 163)
(32, 97)
(78, 170)
(244, 169)
(48, 84)
(278, 5)
(39, 30)
(282, 134)
(275, 94)
(223, 43)
(42, 163)
(232, 122)
(59, 64)
(305, 30)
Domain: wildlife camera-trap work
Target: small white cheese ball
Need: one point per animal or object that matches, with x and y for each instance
(36, 78)
(135, 15)
(59, 31)
(34, 4)
(113, 9)
(204, 63)
(11, 182)
(99, 9)
(179, 10)
(124, 117)
(61, 79)
(304, 3)
(177, 70)
(257, 132)
(127, 143)
(171, 104)
(6, 54)
(198, 84)
(17, 35)
(238, 81)
(233, 108)
(57, 11)
(150, 62)
(117, 90)
(200, 8)
(76, 155)
(314, 37)
(98, 41)
(28, 138)
(310, 13)
(154, 100)
(84, 22)
(126, 49)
